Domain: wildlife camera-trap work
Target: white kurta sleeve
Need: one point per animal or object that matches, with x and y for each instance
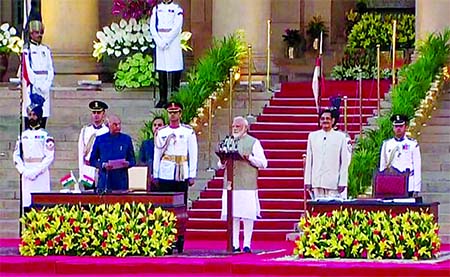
(417, 166)
(383, 158)
(308, 166)
(344, 159)
(193, 155)
(157, 156)
(257, 158)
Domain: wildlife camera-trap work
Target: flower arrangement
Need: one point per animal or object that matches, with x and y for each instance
(368, 235)
(293, 37)
(9, 42)
(113, 230)
(136, 9)
(121, 39)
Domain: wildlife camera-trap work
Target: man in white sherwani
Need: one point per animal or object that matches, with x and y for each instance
(166, 22)
(38, 72)
(326, 169)
(33, 155)
(97, 127)
(175, 157)
(403, 154)
(246, 204)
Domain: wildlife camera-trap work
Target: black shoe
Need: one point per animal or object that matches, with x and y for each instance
(236, 250)
(161, 104)
(247, 250)
(180, 244)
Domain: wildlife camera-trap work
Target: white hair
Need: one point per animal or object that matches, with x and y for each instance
(242, 119)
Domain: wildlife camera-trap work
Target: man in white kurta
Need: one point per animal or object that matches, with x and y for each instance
(326, 169)
(166, 22)
(246, 204)
(33, 155)
(38, 71)
(97, 127)
(175, 157)
(403, 154)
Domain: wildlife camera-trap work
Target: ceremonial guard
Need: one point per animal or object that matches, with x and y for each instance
(33, 155)
(246, 204)
(166, 22)
(112, 154)
(175, 158)
(327, 159)
(38, 73)
(97, 127)
(403, 153)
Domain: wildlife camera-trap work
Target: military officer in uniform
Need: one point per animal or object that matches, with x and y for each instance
(326, 169)
(33, 155)
(38, 73)
(246, 204)
(175, 157)
(112, 154)
(403, 154)
(166, 22)
(97, 127)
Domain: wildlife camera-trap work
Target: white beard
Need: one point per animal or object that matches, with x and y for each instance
(238, 135)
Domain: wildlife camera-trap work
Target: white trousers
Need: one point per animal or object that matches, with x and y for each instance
(248, 232)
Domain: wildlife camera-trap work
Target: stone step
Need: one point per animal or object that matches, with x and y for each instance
(443, 197)
(436, 130)
(431, 138)
(438, 147)
(435, 186)
(8, 194)
(432, 176)
(10, 225)
(9, 204)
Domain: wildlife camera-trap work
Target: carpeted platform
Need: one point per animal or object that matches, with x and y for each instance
(207, 258)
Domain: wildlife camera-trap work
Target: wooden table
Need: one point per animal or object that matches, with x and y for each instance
(170, 201)
(372, 205)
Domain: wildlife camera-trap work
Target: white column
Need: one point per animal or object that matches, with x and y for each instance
(431, 16)
(251, 16)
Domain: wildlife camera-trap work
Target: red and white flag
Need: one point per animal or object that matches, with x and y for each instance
(316, 82)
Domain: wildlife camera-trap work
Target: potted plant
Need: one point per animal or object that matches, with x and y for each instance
(295, 43)
(315, 27)
(9, 42)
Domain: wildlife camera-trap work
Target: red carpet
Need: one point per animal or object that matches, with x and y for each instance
(283, 129)
(206, 258)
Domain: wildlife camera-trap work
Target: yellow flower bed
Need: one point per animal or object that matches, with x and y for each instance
(368, 235)
(113, 230)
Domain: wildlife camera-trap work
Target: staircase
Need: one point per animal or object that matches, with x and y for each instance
(435, 148)
(283, 129)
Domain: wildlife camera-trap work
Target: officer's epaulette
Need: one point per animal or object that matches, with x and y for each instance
(186, 126)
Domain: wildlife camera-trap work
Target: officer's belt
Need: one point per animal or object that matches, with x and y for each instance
(175, 158)
(164, 30)
(41, 72)
(33, 160)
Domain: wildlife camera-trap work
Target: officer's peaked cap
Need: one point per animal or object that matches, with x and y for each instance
(97, 106)
(399, 119)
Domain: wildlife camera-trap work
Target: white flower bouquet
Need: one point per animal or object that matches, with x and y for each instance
(122, 39)
(9, 42)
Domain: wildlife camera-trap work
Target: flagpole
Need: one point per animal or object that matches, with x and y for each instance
(26, 9)
(321, 70)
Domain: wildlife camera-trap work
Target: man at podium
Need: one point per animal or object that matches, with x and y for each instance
(245, 188)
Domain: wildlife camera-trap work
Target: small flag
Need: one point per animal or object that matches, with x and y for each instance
(68, 180)
(87, 181)
(315, 82)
